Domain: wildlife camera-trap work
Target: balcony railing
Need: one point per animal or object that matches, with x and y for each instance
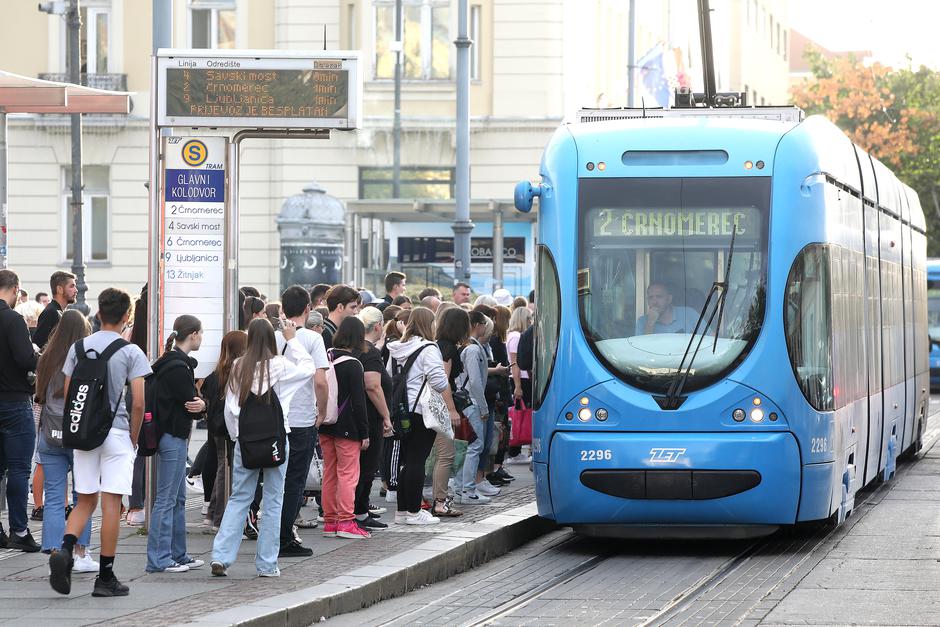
(112, 82)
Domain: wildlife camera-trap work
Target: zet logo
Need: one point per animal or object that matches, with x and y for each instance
(195, 153)
(665, 455)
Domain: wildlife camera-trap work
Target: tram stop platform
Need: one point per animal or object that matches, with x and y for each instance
(341, 576)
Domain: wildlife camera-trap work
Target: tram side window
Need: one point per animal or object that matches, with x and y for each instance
(808, 325)
(548, 310)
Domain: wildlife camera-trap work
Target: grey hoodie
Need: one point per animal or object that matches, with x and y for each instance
(429, 364)
(474, 374)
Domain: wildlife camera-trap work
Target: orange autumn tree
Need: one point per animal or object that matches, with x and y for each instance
(859, 100)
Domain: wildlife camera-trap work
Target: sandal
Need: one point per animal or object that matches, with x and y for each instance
(444, 508)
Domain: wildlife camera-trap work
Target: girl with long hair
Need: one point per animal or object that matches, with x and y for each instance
(258, 372)
(428, 368)
(342, 441)
(234, 344)
(57, 460)
(176, 404)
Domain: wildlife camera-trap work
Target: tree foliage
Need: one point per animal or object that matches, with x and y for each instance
(892, 113)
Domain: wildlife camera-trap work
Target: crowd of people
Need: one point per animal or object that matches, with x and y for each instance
(330, 382)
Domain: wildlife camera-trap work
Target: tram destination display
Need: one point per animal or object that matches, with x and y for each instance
(662, 222)
(292, 91)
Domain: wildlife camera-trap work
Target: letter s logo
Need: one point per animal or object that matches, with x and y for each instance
(195, 153)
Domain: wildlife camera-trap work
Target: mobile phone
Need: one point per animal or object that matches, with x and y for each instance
(512, 364)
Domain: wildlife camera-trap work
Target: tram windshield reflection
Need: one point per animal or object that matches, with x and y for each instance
(650, 251)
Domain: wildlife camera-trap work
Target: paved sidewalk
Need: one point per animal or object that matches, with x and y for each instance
(163, 598)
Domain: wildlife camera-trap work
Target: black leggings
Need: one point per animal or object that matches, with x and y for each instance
(368, 463)
(415, 448)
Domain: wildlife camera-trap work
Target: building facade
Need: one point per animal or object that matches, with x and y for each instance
(533, 63)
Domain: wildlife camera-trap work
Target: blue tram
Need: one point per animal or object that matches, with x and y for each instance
(732, 322)
(933, 319)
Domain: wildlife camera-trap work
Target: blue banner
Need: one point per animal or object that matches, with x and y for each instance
(195, 185)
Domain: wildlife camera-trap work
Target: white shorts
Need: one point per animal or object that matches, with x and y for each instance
(108, 468)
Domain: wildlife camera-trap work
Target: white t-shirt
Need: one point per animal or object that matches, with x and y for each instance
(303, 408)
(512, 348)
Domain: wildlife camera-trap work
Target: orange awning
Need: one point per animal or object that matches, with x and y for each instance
(22, 94)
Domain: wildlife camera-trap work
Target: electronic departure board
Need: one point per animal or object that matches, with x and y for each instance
(250, 90)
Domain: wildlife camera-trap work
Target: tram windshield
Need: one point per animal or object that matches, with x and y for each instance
(933, 309)
(650, 251)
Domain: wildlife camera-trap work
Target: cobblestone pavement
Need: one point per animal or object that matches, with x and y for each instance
(161, 598)
(882, 567)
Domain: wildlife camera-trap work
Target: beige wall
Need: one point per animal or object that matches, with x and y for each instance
(21, 28)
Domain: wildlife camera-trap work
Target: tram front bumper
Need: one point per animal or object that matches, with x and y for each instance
(674, 478)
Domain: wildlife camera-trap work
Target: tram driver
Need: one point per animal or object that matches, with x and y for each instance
(661, 316)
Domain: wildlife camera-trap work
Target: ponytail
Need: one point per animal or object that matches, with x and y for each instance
(183, 327)
(169, 342)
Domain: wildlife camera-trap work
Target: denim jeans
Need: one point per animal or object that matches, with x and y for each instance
(300, 440)
(166, 537)
(229, 537)
(488, 440)
(17, 442)
(56, 463)
(472, 459)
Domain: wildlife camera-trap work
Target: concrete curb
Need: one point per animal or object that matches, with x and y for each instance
(437, 559)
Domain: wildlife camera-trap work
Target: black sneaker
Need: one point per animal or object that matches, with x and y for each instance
(109, 588)
(371, 523)
(3, 537)
(37, 513)
(496, 480)
(60, 571)
(26, 544)
(294, 550)
(250, 531)
(503, 474)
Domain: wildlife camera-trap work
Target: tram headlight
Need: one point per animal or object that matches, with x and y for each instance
(738, 415)
(757, 414)
(584, 414)
(601, 414)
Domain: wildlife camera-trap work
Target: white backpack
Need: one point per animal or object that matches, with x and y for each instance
(333, 409)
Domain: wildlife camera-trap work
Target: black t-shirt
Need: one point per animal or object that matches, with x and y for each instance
(46, 324)
(329, 330)
(450, 352)
(372, 362)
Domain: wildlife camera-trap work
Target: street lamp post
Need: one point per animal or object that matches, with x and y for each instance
(78, 257)
(462, 225)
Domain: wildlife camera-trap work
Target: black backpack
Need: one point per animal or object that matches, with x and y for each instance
(88, 412)
(262, 437)
(151, 431)
(401, 413)
(525, 349)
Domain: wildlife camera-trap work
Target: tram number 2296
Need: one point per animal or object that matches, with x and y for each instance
(819, 445)
(596, 455)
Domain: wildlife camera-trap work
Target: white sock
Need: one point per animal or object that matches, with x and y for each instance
(21, 534)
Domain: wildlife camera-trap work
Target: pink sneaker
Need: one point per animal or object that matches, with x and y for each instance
(329, 530)
(349, 529)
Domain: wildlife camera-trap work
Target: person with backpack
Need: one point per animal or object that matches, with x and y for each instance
(234, 344)
(344, 432)
(257, 402)
(302, 438)
(519, 322)
(56, 459)
(415, 362)
(104, 375)
(174, 403)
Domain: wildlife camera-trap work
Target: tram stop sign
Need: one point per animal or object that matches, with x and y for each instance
(259, 89)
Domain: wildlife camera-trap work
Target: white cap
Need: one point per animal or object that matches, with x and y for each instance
(503, 297)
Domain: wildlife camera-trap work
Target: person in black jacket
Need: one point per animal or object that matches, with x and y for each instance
(64, 293)
(342, 441)
(17, 429)
(176, 404)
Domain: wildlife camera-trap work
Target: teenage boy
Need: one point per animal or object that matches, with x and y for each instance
(342, 301)
(17, 430)
(63, 294)
(394, 287)
(302, 415)
(109, 469)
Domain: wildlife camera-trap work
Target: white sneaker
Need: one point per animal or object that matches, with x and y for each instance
(193, 564)
(195, 483)
(518, 459)
(391, 496)
(205, 508)
(176, 568)
(307, 524)
(135, 518)
(487, 489)
(401, 518)
(472, 497)
(85, 564)
(423, 517)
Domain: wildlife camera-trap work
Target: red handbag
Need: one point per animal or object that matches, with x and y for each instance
(464, 431)
(520, 418)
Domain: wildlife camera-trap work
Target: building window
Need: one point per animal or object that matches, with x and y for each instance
(476, 17)
(426, 42)
(95, 39)
(416, 183)
(96, 215)
(212, 24)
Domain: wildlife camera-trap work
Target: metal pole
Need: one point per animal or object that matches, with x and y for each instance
(396, 125)
(3, 189)
(708, 59)
(631, 57)
(348, 253)
(357, 251)
(462, 225)
(78, 252)
(497, 212)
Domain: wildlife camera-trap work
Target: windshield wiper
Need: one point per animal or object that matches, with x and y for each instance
(673, 398)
